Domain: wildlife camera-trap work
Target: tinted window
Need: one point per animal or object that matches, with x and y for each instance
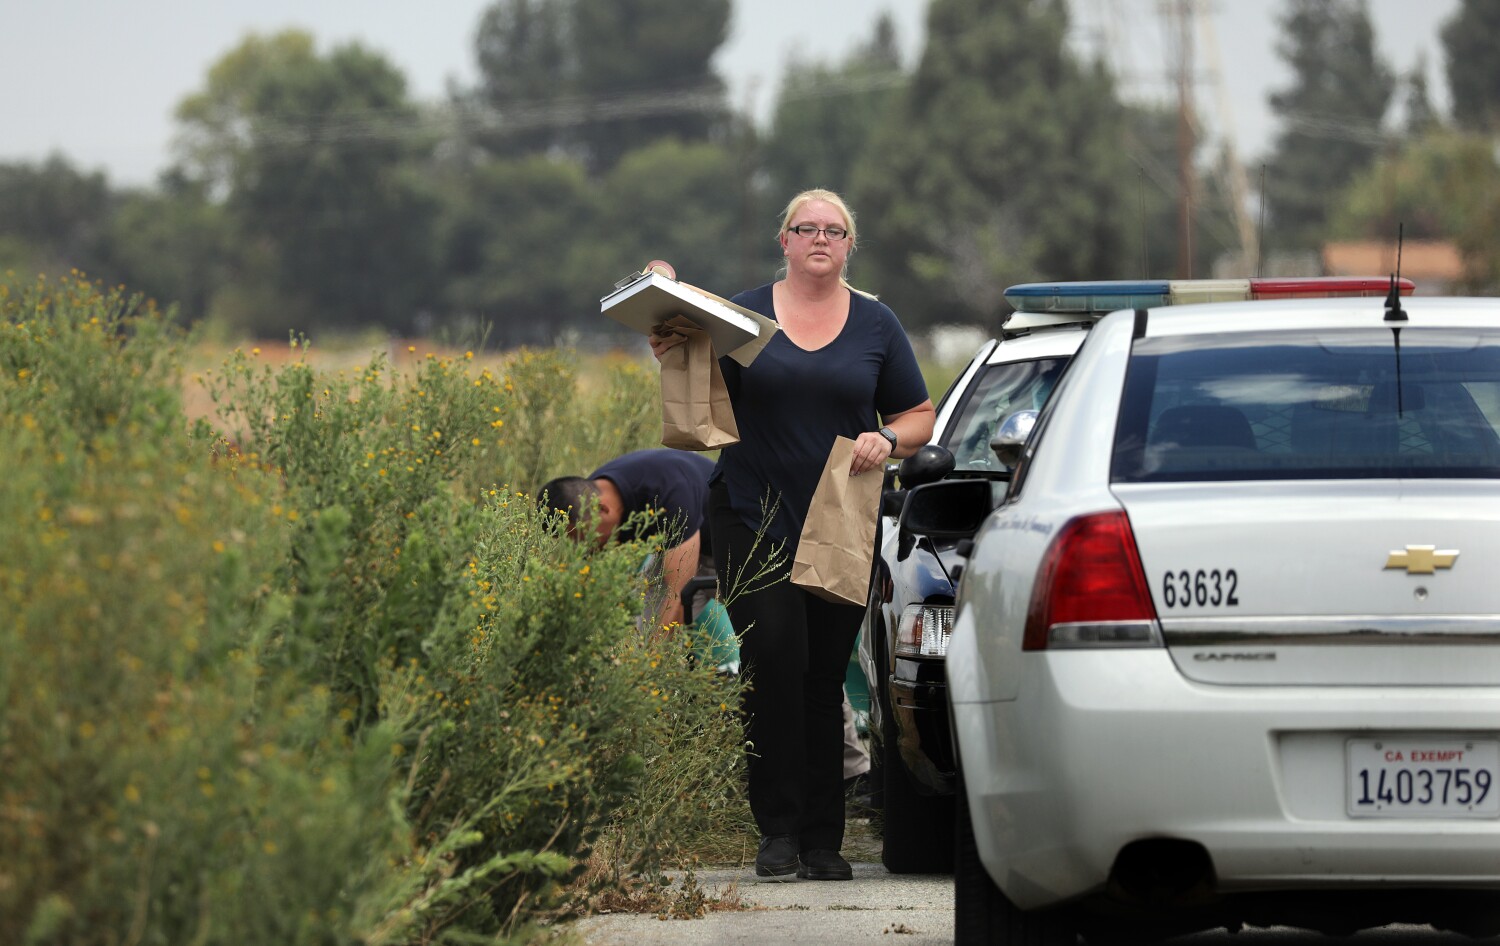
(1312, 405)
(997, 391)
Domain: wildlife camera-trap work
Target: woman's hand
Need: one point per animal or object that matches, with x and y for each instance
(664, 339)
(870, 452)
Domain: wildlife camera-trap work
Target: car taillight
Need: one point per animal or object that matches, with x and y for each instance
(924, 630)
(1091, 590)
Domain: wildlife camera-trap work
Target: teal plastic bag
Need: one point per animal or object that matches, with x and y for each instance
(714, 640)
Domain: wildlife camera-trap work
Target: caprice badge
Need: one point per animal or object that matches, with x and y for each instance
(1421, 559)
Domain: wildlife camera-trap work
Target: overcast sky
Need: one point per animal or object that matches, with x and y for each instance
(97, 80)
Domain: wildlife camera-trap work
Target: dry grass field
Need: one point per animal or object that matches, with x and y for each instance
(402, 355)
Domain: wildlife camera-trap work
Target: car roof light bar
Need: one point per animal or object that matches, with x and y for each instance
(1072, 301)
(1318, 287)
(1088, 298)
(1185, 291)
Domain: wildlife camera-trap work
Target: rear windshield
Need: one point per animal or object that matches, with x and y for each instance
(1311, 405)
(997, 391)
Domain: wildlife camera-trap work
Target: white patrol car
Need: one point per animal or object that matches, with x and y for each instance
(1228, 650)
(904, 639)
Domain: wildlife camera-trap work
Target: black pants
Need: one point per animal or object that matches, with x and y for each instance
(794, 651)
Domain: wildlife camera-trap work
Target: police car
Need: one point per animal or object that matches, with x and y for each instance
(905, 632)
(1227, 651)
(903, 642)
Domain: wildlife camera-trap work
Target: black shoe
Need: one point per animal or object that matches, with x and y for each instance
(777, 856)
(824, 865)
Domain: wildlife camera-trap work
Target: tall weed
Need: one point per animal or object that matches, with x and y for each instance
(159, 787)
(427, 586)
(321, 676)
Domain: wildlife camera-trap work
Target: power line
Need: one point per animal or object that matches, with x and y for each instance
(1338, 128)
(408, 122)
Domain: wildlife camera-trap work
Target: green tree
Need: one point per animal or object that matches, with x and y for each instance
(597, 78)
(170, 243)
(1331, 114)
(683, 203)
(1472, 41)
(524, 52)
(1421, 117)
(1441, 186)
(1001, 163)
(316, 156)
(531, 244)
(508, 239)
(825, 114)
(646, 65)
(53, 217)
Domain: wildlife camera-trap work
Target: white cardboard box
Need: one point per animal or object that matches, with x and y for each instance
(651, 299)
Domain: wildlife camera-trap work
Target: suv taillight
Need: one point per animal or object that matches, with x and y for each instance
(924, 630)
(1091, 590)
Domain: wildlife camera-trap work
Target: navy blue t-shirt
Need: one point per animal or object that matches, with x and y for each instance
(791, 404)
(674, 482)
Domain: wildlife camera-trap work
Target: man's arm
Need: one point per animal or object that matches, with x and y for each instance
(679, 565)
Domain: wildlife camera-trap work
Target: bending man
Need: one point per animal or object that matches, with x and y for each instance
(670, 484)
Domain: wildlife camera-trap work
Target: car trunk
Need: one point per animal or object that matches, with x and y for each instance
(1349, 582)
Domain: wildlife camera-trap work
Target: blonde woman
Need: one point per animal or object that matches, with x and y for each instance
(840, 366)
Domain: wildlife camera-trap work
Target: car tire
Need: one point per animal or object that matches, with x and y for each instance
(982, 914)
(916, 829)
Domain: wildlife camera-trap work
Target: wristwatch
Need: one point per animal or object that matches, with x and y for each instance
(890, 435)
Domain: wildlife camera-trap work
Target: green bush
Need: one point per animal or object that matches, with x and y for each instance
(534, 698)
(159, 786)
(547, 705)
(327, 675)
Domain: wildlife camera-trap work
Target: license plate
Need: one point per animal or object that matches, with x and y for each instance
(1423, 778)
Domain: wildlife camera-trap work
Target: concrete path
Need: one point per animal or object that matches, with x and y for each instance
(876, 906)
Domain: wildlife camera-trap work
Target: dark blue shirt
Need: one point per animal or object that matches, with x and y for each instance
(791, 404)
(673, 482)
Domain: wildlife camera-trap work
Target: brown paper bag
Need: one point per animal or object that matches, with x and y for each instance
(837, 547)
(695, 409)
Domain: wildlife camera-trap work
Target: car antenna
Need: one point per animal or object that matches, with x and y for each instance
(1393, 310)
(1394, 313)
(1260, 230)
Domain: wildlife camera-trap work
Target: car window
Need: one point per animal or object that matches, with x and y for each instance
(997, 391)
(1311, 405)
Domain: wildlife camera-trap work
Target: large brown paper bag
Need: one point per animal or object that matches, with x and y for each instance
(695, 409)
(837, 546)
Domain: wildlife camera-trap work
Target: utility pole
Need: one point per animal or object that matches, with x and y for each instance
(1182, 12)
(1239, 187)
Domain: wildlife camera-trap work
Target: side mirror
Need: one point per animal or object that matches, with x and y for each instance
(891, 502)
(1009, 441)
(928, 465)
(949, 509)
(891, 498)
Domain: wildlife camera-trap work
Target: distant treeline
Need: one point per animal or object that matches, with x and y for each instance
(310, 192)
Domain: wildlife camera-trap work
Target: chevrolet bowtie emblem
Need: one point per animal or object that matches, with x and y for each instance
(1421, 559)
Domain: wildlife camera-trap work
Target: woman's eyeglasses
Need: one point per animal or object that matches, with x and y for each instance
(807, 231)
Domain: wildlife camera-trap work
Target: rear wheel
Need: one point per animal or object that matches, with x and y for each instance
(917, 829)
(982, 915)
